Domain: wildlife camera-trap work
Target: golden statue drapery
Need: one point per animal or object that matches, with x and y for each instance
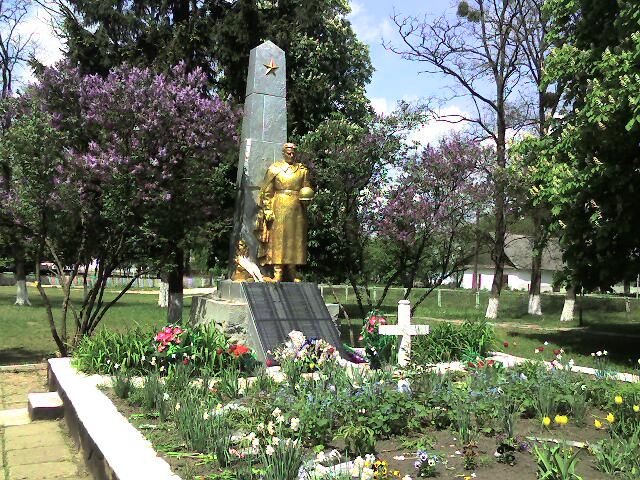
(282, 216)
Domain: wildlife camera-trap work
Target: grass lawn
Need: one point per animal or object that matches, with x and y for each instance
(26, 335)
(461, 304)
(601, 317)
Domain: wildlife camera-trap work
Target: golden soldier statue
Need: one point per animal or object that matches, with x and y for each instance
(281, 225)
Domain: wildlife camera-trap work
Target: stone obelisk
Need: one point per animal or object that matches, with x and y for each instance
(264, 131)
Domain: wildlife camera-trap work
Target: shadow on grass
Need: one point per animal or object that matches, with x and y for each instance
(624, 350)
(18, 356)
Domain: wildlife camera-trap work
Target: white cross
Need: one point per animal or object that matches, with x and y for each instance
(405, 329)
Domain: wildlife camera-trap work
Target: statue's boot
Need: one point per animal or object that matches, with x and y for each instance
(293, 271)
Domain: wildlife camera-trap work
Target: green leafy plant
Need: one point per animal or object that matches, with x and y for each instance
(379, 348)
(556, 462)
(229, 383)
(509, 411)
(618, 455)
(470, 456)
(579, 405)
(292, 371)
(204, 348)
(546, 400)
(359, 439)
(448, 342)
(122, 384)
(463, 423)
(282, 461)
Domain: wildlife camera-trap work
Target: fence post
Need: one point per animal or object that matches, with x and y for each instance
(375, 294)
(322, 291)
(477, 298)
(439, 298)
(346, 294)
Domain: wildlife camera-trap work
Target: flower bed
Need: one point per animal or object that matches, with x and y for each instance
(527, 421)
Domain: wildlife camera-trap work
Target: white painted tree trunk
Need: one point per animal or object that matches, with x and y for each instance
(163, 297)
(492, 308)
(568, 310)
(535, 305)
(22, 295)
(175, 307)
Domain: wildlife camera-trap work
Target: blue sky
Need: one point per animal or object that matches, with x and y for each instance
(394, 78)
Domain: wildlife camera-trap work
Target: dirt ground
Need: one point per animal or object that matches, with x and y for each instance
(171, 447)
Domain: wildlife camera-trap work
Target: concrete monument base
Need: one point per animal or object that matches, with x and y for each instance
(228, 310)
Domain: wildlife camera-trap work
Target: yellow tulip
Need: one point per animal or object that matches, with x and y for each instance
(561, 419)
(546, 421)
(611, 418)
(597, 423)
(636, 408)
(618, 400)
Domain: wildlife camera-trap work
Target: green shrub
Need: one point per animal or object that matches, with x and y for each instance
(204, 349)
(106, 351)
(449, 342)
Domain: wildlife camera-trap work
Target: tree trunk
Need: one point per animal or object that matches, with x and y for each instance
(500, 201)
(535, 307)
(569, 304)
(163, 297)
(627, 287)
(174, 312)
(22, 295)
(498, 247)
(475, 284)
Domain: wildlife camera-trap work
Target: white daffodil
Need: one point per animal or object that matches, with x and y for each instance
(295, 424)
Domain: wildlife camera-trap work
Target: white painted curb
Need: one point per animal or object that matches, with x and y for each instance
(125, 450)
(511, 360)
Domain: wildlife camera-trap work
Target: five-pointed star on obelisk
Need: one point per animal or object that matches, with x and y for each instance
(271, 67)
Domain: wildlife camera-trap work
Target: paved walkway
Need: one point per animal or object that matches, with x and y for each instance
(33, 450)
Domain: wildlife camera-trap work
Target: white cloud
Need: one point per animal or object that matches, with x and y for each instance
(434, 130)
(356, 8)
(381, 105)
(369, 29)
(48, 47)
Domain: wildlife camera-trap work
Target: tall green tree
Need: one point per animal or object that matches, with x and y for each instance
(478, 51)
(589, 170)
(327, 66)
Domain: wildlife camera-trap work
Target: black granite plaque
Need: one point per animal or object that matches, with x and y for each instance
(279, 308)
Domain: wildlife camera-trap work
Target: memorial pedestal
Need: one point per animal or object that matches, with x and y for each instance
(226, 308)
(284, 306)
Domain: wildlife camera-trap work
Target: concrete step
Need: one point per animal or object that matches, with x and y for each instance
(45, 406)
